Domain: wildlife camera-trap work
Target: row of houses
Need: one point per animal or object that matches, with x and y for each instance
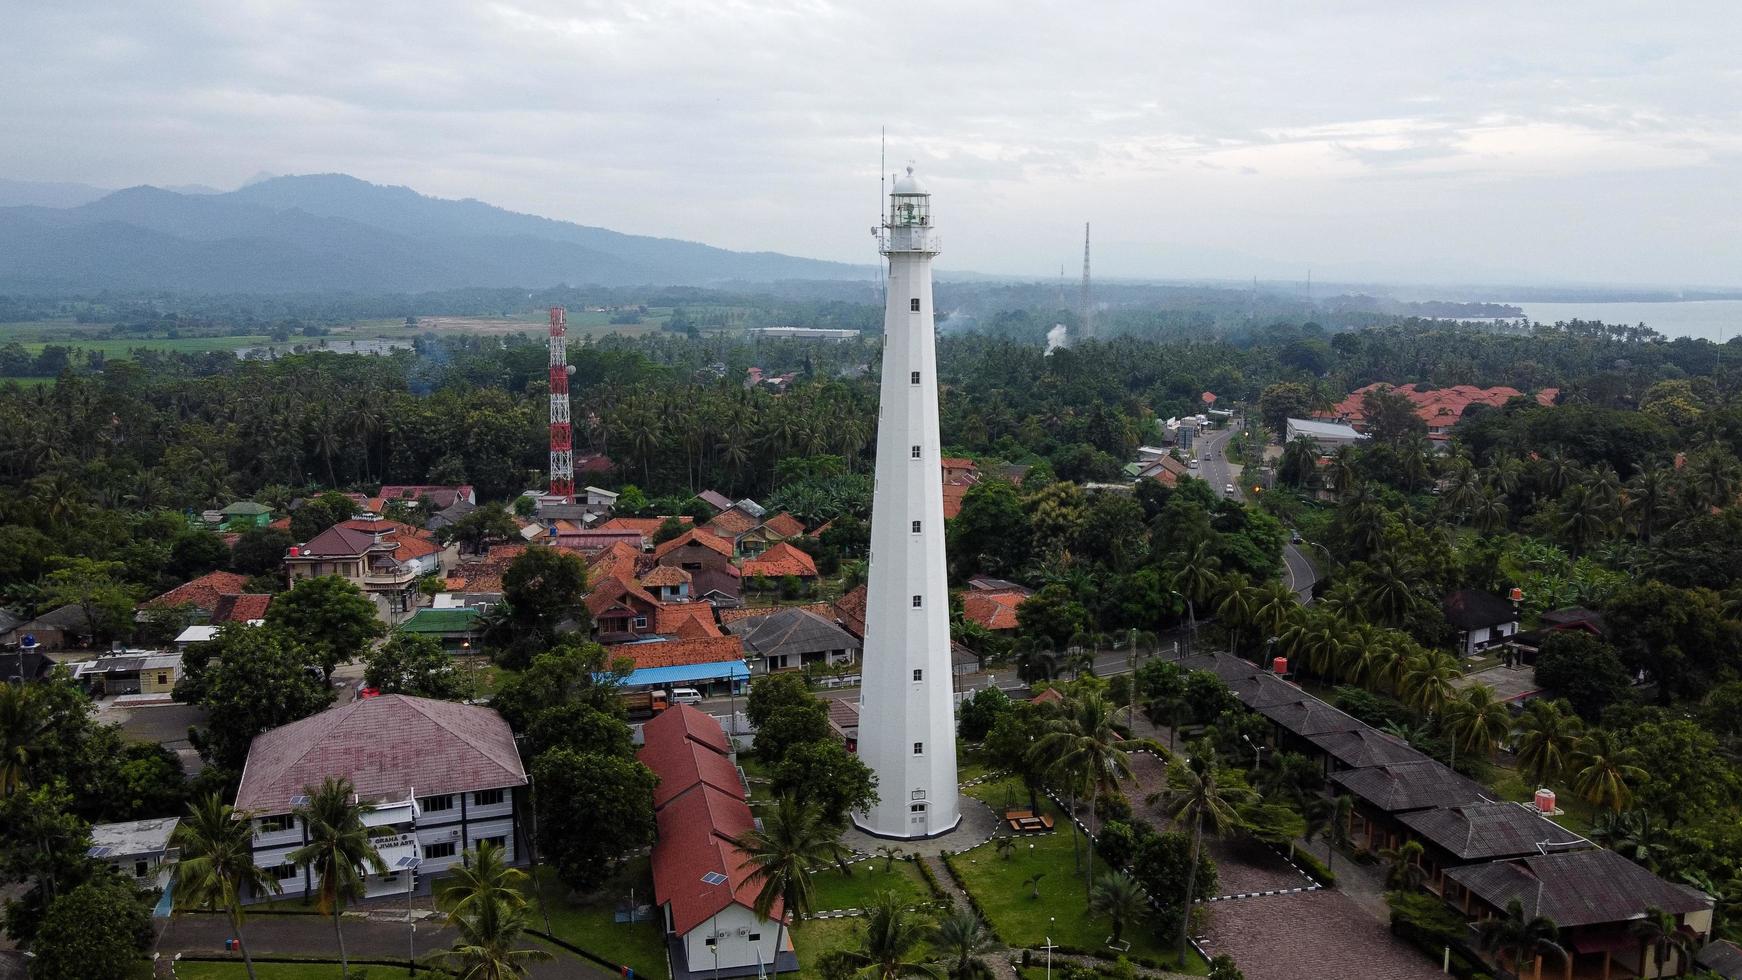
(1479, 852)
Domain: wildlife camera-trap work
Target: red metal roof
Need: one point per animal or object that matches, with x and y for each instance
(688, 721)
(681, 763)
(389, 747)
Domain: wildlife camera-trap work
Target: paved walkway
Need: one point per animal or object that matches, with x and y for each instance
(978, 825)
(312, 935)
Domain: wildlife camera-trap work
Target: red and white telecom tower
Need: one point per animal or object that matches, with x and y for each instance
(562, 434)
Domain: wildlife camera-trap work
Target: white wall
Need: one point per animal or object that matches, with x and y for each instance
(735, 950)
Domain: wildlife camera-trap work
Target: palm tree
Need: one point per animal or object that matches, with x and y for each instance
(1427, 682)
(1120, 898)
(1196, 797)
(485, 904)
(1659, 935)
(1195, 576)
(1403, 869)
(1634, 835)
(1491, 510)
(1328, 817)
(1032, 882)
(1476, 720)
(1524, 937)
(1648, 496)
(1604, 769)
(1238, 606)
(22, 727)
(338, 850)
(794, 838)
(1086, 748)
(1548, 733)
(961, 938)
(887, 946)
(217, 864)
(1005, 845)
(889, 854)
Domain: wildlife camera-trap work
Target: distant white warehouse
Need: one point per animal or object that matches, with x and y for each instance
(803, 333)
(1327, 436)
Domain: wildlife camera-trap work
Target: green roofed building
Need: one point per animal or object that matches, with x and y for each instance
(246, 514)
(455, 628)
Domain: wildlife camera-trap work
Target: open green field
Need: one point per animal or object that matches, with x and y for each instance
(834, 890)
(1006, 892)
(182, 345)
(589, 926)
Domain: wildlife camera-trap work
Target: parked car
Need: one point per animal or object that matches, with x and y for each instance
(1229, 489)
(685, 695)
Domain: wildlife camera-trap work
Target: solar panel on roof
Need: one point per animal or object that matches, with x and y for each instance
(714, 878)
(100, 851)
(407, 862)
(299, 800)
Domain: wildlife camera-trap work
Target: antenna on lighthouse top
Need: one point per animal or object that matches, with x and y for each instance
(882, 175)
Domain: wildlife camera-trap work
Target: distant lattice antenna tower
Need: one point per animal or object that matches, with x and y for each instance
(1088, 312)
(562, 432)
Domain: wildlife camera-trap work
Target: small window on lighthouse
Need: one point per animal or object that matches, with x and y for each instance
(916, 527)
(919, 748)
(915, 452)
(917, 600)
(919, 675)
(914, 378)
(913, 304)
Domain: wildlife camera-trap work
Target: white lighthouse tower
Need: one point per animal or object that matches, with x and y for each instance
(907, 731)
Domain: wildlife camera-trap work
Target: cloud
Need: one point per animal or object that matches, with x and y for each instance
(1342, 133)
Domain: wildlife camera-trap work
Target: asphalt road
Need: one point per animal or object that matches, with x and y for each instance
(1298, 573)
(1213, 465)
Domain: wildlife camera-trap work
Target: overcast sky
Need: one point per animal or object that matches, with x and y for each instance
(1534, 142)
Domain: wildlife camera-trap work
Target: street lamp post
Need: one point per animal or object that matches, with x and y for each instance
(1257, 752)
(1049, 947)
(413, 863)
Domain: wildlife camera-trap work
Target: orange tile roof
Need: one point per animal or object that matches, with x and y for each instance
(485, 574)
(850, 611)
(956, 463)
(202, 592)
(679, 653)
(242, 608)
(784, 525)
(685, 619)
(781, 560)
(695, 535)
(1438, 408)
(822, 609)
(665, 575)
(993, 610)
(731, 523)
(953, 494)
(408, 542)
(648, 526)
(612, 591)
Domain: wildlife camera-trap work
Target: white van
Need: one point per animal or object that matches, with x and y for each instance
(685, 695)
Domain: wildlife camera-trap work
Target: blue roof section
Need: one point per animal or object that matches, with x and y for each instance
(658, 676)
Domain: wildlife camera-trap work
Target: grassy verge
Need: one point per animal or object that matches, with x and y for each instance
(589, 924)
(814, 937)
(1006, 891)
(837, 891)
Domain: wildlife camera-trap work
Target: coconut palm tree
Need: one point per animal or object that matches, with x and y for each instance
(1403, 870)
(22, 727)
(1120, 898)
(1476, 720)
(217, 864)
(1519, 936)
(1328, 817)
(1659, 936)
(1238, 604)
(1197, 797)
(1633, 834)
(889, 945)
(1648, 496)
(1491, 511)
(794, 839)
(1085, 748)
(1548, 733)
(337, 852)
(1195, 575)
(1604, 770)
(961, 938)
(1427, 682)
(486, 905)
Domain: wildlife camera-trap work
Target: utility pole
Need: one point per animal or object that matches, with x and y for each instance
(1087, 312)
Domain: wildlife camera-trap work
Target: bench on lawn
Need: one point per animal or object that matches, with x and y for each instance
(1025, 821)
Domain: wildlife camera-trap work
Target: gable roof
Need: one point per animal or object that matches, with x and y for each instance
(993, 610)
(689, 722)
(687, 620)
(245, 508)
(613, 590)
(202, 592)
(1307, 715)
(338, 541)
(1406, 786)
(822, 609)
(389, 747)
(1578, 888)
(680, 652)
(784, 525)
(683, 763)
(791, 631)
(648, 526)
(1469, 609)
(715, 499)
(1484, 831)
(485, 574)
(850, 610)
(696, 536)
(732, 522)
(1363, 746)
(665, 575)
(780, 560)
(245, 607)
(953, 494)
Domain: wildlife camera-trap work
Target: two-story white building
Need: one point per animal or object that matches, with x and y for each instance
(139, 849)
(441, 777)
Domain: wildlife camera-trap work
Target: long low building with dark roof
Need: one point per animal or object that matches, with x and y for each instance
(1473, 833)
(1594, 896)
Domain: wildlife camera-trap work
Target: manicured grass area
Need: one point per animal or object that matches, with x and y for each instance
(1509, 784)
(837, 891)
(1006, 894)
(590, 926)
(814, 937)
(197, 970)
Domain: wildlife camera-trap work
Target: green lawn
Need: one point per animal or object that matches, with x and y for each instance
(118, 348)
(590, 926)
(1578, 815)
(814, 937)
(1004, 892)
(235, 970)
(837, 891)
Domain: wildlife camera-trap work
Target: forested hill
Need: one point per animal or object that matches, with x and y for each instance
(333, 232)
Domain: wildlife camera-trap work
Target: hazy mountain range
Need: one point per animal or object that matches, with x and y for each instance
(332, 232)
